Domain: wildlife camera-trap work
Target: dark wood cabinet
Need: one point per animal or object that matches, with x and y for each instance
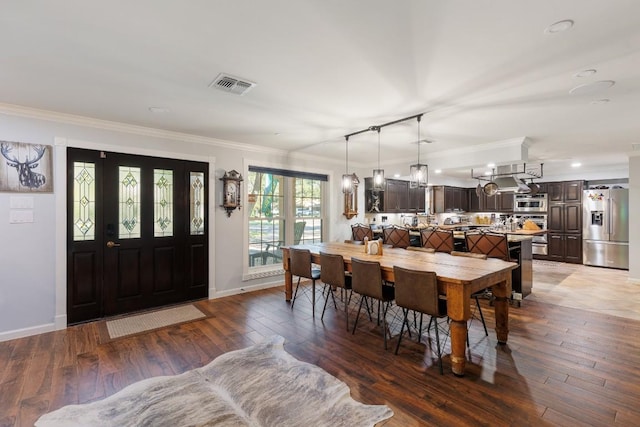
(417, 199)
(483, 203)
(397, 197)
(449, 199)
(565, 247)
(564, 221)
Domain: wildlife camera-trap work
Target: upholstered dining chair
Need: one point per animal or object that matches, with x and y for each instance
(476, 296)
(418, 291)
(360, 231)
(333, 276)
(440, 240)
(366, 280)
(301, 266)
(397, 237)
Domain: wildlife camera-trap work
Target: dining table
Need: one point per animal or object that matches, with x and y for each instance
(458, 278)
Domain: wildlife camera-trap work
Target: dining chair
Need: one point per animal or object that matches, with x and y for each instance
(301, 266)
(476, 296)
(366, 280)
(439, 240)
(397, 237)
(418, 291)
(360, 231)
(333, 275)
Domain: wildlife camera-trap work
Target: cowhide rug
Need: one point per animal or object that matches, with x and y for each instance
(258, 386)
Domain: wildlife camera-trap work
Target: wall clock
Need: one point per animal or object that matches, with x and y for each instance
(231, 191)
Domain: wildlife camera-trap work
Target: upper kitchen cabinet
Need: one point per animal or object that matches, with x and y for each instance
(564, 191)
(449, 199)
(501, 202)
(397, 197)
(417, 199)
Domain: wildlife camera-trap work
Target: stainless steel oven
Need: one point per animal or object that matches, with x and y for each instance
(538, 243)
(530, 203)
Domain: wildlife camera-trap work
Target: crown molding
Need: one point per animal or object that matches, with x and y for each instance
(52, 116)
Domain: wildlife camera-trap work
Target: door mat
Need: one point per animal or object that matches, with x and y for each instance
(136, 324)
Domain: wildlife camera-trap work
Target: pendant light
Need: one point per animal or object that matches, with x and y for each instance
(348, 179)
(378, 174)
(419, 173)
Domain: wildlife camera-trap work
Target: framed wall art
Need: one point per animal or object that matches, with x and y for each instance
(26, 168)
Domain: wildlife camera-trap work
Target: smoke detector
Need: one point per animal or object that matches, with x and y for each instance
(232, 84)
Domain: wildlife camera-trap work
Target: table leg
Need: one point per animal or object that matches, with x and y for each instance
(502, 291)
(288, 285)
(458, 346)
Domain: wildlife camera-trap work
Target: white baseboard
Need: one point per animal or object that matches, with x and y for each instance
(245, 289)
(634, 281)
(60, 322)
(27, 332)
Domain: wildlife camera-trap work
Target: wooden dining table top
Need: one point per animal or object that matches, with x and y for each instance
(448, 268)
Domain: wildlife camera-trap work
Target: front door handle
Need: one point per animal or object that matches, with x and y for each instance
(112, 244)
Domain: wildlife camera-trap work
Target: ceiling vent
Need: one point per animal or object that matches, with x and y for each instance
(232, 84)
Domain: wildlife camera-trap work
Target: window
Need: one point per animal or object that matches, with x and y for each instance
(285, 208)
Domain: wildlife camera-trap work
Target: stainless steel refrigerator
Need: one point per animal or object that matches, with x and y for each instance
(605, 228)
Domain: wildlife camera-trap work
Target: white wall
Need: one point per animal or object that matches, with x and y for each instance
(28, 251)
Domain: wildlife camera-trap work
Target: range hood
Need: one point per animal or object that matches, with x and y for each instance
(511, 184)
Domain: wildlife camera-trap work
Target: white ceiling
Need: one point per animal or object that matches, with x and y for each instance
(481, 71)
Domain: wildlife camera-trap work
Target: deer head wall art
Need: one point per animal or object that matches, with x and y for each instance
(25, 167)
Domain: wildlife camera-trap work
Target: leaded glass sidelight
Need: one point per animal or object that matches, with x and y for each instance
(163, 203)
(129, 200)
(196, 202)
(84, 201)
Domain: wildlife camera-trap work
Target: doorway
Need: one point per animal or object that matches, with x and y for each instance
(137, 230)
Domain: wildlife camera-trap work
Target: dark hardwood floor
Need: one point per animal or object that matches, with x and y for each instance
(562, 366)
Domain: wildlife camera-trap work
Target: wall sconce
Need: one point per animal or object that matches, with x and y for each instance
(231, 191)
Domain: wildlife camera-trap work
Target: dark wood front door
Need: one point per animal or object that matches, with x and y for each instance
(136, 233)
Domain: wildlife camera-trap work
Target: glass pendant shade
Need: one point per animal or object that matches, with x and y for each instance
(378, 179)
(347, 183)
(419, 175)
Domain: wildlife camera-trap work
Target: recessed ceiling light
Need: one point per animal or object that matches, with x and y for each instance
(600, 101)
(576, 164)
(491, 165)
(396, 175)
(438, 171)
(559, 26)
(159, 110)
(487, 173)
(585, 73)
(589, 88)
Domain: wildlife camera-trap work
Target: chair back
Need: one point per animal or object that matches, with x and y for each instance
(298, 230)
(418, 290)
(366, 278)
(492, 245)
(469, 254)
(360, 231)
(332, 271)
(397, 237)
(440, 240)
(300, 262)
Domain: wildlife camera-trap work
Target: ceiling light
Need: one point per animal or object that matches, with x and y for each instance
(419, 172)
(589, 88)
(378, 174)
(576, 164)
(585, 73)
(487, 173)
(396, 175)
(491, 165)
(559, 26)
(438, 171)
(159, 110)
